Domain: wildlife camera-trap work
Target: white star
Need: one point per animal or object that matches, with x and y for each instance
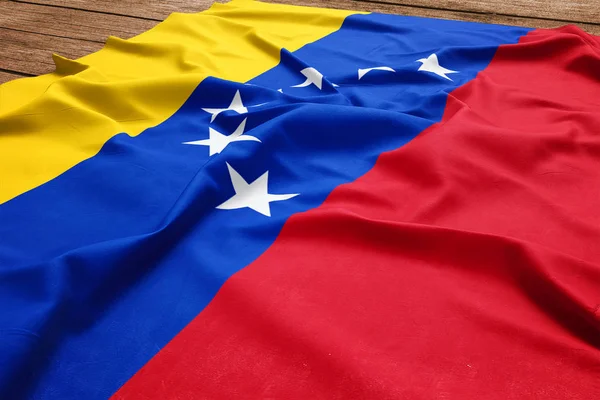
(217, 141)
(313, 77)
(236, 105)
(254, 195)
(431, 64)
(362, 72)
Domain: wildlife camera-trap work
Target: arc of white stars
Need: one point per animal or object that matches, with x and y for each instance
(253, 195)
(363, 71)
(432, 64)
(236, 105)
(217, 142)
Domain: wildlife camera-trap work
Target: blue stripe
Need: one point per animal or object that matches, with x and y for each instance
(103, 265)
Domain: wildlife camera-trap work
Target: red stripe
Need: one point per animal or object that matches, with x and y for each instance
(465, 265)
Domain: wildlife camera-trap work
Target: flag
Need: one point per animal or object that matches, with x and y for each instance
(279, 202)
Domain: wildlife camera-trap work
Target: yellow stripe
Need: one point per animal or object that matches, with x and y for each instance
(50, 123)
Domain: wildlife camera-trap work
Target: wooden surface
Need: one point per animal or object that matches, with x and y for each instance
(565, 10)
(31, 30)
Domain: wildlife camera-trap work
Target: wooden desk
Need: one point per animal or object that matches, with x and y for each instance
(31, 30)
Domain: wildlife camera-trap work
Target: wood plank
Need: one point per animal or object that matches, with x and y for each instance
(6, 76)
(150, 9)
(75, 24)
(559, 10)
(572, 11)
(31, 53)
(30, 33)
(437, 13)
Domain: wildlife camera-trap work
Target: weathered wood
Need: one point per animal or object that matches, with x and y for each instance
(8, 76)
(74, 24)
(437, 13)
(30, 33)
(569, 10)
(31, 53)
(559, 10)
(151, 9)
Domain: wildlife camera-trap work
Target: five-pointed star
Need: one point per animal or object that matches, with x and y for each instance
(431, 64)
(217, 141)
(236, 105)
(256, 195)
(363, 71)
(253, 195)
(313, 77)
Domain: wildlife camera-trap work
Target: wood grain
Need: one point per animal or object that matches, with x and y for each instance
(8, 76)
(150, 9)
(31, 30)
(74, 24)
(31, 53)
(438, 13)
(559, 10)
(569, 10)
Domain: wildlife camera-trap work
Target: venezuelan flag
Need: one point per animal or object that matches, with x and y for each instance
(277, 202)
